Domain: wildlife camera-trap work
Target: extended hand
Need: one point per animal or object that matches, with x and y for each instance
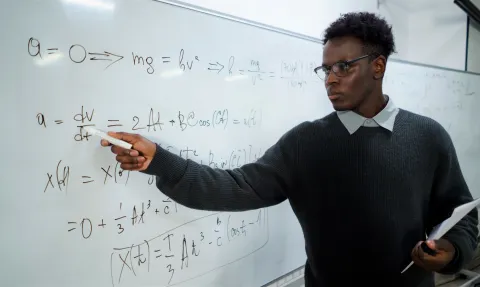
(444, 253)
(139, 157)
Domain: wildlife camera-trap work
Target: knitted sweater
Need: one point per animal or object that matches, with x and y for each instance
(362, 200)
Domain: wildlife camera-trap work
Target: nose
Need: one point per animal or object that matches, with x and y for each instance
(330, 79)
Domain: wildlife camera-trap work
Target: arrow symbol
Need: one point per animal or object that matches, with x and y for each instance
(100, 54)
(114, 58)
(216, 67)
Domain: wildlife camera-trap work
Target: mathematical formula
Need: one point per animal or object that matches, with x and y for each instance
(195, 247)
(182, 252)
(59, 178)
(87, 227)
(152, 121)
(297, 74)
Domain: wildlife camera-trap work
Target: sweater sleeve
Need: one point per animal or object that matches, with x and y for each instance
(449, 191)
(263, 183)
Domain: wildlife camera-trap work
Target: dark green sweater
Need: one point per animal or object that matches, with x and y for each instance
(363, 200)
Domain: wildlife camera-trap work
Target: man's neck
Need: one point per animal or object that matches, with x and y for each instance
(371, 108)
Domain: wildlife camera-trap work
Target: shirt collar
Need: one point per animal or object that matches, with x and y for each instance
(386, 118)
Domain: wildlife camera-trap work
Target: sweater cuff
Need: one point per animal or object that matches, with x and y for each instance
(456, 264)
(168, 167)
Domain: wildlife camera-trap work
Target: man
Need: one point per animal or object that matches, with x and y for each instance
(366, 182)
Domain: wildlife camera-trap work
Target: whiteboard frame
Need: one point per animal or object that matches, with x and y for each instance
(189, 6)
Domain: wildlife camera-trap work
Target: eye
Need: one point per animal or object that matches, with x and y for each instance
(341, 67)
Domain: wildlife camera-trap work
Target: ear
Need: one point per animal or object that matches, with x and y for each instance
(379, 65)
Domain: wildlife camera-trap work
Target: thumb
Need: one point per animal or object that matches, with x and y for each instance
(127, 137)
(440, 244)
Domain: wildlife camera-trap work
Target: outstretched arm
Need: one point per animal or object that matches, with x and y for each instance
(263, 183)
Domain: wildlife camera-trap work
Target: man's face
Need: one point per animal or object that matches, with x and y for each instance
(351, 88)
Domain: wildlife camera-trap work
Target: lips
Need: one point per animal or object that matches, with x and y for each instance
(333, 95)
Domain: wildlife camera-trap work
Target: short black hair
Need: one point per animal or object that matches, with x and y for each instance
(372, 30)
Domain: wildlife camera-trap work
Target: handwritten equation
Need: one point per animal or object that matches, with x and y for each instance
(296, 73)
(152, 121)
(137, 215)
(59, 177)
(192, 248)
(188, 251)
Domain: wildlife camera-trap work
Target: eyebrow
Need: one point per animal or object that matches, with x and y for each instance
(324, 64)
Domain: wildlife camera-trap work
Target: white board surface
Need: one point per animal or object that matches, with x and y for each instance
(214, 90)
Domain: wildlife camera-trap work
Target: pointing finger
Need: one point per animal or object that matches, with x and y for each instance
(121, 151)
(105, 143)
(130, 159)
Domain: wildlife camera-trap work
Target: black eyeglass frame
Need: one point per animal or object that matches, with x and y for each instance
(330, 68)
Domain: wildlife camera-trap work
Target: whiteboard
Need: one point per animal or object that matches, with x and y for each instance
(214, 89)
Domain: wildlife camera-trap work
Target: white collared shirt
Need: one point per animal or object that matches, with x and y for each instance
(386, 118)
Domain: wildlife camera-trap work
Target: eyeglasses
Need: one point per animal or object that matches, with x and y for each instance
(340, 69)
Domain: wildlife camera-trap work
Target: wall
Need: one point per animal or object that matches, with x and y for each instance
(474, 47)
(397, 16)
(428, 31)
(309, 17)
(474, 44)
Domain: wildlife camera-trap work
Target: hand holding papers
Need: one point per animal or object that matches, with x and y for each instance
(440, 230)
